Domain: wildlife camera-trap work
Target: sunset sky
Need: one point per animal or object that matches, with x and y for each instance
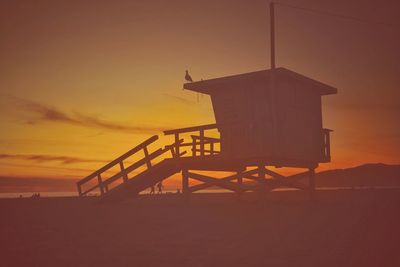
(82, 82)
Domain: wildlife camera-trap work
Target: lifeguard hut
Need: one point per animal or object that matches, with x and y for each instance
(267, 118)
(274, 115)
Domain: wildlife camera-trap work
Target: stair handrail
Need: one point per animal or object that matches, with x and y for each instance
(119, 160)
(191, 129)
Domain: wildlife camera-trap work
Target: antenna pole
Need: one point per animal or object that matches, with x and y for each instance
(272, 95)
(272, 32)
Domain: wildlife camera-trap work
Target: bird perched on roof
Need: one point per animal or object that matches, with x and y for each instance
(187, 77)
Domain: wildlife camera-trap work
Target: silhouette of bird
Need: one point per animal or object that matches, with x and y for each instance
(187, 77)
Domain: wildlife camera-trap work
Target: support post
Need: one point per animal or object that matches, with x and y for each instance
(194, 147)
(239, 178)
(100, 184)
(171, 149)
(240, 183)
(202, 143)
(124, 175)
(79, 190)
(261, 179)
(177, 152)
(185, 182)
(146, 156)
(311, 183)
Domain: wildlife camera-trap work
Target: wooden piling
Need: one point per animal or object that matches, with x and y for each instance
(311, 183)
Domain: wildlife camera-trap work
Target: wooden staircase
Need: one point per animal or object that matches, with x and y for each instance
(120, 182)
(130, 178)
(202, 152)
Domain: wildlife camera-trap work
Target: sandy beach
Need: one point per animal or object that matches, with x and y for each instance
(341, 228)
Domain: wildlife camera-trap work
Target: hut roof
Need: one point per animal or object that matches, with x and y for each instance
(229, 82)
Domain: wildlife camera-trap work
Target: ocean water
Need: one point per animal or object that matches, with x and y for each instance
(42, 194)
(75, 194)
(216, 190)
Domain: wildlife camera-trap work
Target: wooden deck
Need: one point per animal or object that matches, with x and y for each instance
(201, 153)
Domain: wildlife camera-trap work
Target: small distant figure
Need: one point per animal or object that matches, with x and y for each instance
(188, 77)
(178, 191)
(20, 196)
(159, 186)
(152, 190)
(35, 195)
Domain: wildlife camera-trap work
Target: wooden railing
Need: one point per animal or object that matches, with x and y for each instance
(200, 144)
(103, 186)
(326, 153)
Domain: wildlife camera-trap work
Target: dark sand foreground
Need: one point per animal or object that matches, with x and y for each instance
(342, 228)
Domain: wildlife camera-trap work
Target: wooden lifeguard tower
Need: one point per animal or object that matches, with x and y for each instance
(268, 118)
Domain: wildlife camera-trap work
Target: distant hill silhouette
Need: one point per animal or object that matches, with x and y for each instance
(369, 175)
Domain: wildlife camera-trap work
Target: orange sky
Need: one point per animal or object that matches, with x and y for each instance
(84, 81)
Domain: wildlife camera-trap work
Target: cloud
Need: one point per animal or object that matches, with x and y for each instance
(43, 113)
(48, 158)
